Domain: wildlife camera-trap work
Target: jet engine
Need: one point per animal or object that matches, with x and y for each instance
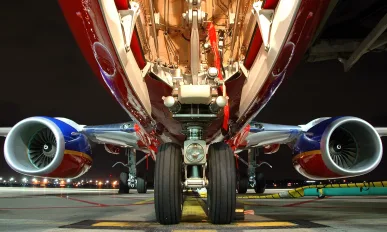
(337, 148)
(47, 147)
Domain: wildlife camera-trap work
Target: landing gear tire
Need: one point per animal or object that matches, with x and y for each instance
(221, 196)
(242, 184)
(168, 190)
(141, 185)
(260, 182)
(124, 187)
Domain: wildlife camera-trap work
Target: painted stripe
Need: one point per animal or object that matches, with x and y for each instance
(144, 201)
(78, 153)
(266, 224)
(302, 202)
(194, 230)
(193, 210)
(308, 153)
(83, 201)
(115, 224)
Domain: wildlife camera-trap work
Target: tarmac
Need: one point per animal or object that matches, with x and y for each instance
(65, 209)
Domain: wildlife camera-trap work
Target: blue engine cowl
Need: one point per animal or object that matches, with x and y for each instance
(337, 147)
(49, 147)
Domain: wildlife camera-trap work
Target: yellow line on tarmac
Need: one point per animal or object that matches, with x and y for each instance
(144, 201)
(193, 210)
(265, 224)
(194, 230)
(113, 224)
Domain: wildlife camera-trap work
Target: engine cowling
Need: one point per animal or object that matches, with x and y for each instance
(337, 148)
(47, 147)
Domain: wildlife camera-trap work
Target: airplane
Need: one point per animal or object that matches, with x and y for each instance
(192, 76)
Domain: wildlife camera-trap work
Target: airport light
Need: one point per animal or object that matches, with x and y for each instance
(45, 180)
(107, 182)
(68, 180)
(25, 180)
(1, 178)
(11, 179)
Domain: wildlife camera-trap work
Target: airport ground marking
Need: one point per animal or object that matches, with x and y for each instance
(192, 226)
(83, 201)
(144, 202)
(303, 202)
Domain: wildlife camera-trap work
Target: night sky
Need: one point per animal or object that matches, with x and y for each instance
(44, 73)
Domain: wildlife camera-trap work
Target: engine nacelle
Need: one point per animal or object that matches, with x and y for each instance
(47, 147)
(337, 148)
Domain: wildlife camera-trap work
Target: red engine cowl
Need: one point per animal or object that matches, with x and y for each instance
(74, 164)
(337, 148)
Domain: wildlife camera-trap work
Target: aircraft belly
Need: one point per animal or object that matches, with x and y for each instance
(89, 27)
(270, 68)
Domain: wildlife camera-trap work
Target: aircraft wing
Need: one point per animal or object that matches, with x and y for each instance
(126, 134)
(4, 131)
(263, 134)
(382, 131)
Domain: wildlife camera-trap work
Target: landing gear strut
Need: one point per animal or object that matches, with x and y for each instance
(135, 177)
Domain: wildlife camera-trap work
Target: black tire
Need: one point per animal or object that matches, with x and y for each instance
(141, 185)
(243, 184)
(221, 196)
(168, 190)
(260, 182)
(124, 187)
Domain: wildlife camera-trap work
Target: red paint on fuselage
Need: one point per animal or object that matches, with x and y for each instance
(270, 4)
(305, 24)
(239, 140)
(122, 4)
(88, 27)
(271, 149)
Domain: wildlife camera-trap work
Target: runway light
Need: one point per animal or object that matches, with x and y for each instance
(68, 180)
(25, 180)
(11, 179)
(107, 182)
(1, 178)
(100, 183)
(45, 180)
(114, 183)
